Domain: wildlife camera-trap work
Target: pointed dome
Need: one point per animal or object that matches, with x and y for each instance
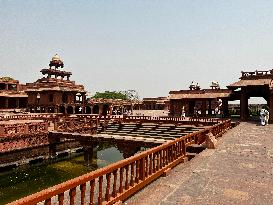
(56, 62)
(56, 57)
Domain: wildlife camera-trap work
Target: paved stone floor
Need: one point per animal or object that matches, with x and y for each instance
(239, 171)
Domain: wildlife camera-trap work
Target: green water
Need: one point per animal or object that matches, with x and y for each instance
(29, 179)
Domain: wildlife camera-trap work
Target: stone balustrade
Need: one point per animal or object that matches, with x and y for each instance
(120, 180)
(12, 129)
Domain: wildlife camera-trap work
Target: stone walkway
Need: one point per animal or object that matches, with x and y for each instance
(239, 171)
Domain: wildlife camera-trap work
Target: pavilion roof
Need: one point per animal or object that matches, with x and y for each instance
(53, 84)
(157, 100)
(200, 94)
(252, 82)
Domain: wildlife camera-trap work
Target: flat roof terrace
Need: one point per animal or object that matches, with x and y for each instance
(239, 171)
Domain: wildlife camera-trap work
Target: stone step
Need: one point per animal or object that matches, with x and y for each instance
(195, 148)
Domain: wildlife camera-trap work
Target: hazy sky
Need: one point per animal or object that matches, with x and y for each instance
(151, 46)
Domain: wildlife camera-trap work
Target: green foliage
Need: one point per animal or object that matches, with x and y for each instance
(124, 95)
(6, 78)
(111, 95)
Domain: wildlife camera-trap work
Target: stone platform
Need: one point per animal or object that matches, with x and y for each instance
(239, 171)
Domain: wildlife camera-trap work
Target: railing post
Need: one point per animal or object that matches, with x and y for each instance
(142, 169)
(83, 189)
(72, 194)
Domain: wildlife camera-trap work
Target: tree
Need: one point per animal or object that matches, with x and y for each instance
(110, 95)
(131, 94)
(124, 95)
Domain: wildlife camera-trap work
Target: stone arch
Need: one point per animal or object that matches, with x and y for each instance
(78, 110)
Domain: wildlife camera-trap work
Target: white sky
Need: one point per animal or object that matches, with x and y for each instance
(150, 46)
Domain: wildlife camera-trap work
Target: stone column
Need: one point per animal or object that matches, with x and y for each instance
(225, 107)
(100, 109)
(52, 140)
(271, 107)
(7, 87)
(209, 109)
(244, 104)
(203, 108)
(90, 153)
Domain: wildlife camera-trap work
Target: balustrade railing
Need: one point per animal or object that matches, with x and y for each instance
(120, 180)
(7, 130)
(30, 116)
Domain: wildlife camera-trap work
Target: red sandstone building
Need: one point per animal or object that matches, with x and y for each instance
(159, 103)
(12, 95)
(254, 84)
(251, 84)
(55, 92)
(203, 101)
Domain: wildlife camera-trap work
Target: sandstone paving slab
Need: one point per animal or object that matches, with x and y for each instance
(239, 171)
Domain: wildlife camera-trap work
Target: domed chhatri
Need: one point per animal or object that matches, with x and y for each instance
(56, 57)
(56, 62)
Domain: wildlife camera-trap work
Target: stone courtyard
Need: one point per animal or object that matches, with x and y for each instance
(239, 171)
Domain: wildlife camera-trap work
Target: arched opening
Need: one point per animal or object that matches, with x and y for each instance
(62, 109)
(69, 110)
(78, 98)
(78, 110)
(105, 109)
(51, 110)
(96, 109)
(88, 110)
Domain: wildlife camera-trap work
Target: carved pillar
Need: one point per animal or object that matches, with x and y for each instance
(73, 112)
(203, 108)
(244, 104)
(7, 87)
(225, 107)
